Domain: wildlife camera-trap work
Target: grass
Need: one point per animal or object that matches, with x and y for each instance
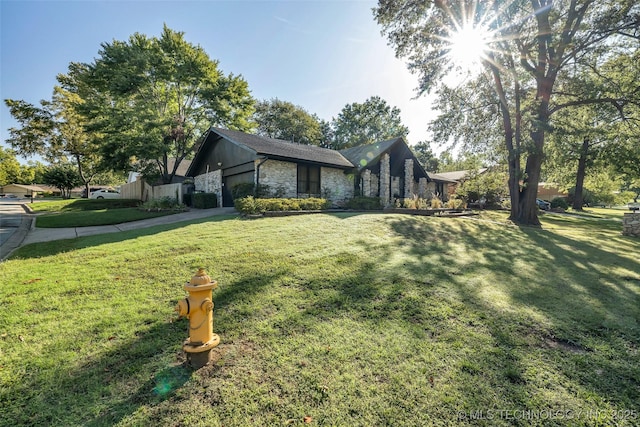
(346, 319)
(89, 212)
(601, 213)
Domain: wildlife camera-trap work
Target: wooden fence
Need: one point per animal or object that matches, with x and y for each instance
(140, 190)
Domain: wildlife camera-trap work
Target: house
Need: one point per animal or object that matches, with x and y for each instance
(549, 191)
(457, 177)
(21, 190)
(388, 170)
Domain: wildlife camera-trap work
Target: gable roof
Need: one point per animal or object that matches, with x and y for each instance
(457, 176)
(364, 155)
(285, 150)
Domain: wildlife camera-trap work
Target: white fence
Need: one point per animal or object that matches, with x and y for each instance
(140, 190)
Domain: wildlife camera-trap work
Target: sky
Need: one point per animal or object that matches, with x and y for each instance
(320, 55)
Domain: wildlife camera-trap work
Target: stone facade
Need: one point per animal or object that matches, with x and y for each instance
(279, 176)
(337, 187)
(408, 179)
(282, 177)
(631, 224)
(385, 180)
(422, 187)
(366, 183)
(210, 183)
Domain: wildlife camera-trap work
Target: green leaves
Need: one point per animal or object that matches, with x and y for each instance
(372, 121)
(157, 97)
(283, 120)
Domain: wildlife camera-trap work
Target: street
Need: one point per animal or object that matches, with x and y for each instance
(11, 214)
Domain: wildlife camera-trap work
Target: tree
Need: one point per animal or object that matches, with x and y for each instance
(283, 120)
(9, 167)
(56, 130)
(372, 121)
(597, 135)
(63, 177)
(154, 98)
(488, 187)
(425, 155)
(528, 46)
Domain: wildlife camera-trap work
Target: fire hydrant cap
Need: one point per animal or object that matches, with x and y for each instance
(200, 278)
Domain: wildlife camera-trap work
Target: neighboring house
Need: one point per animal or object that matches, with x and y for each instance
(20, 190)
(457, 177)
(227, 158)
(549, 191)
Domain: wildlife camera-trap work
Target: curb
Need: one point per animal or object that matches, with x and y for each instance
(16, 239)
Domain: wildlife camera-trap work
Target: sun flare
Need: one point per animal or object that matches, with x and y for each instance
(468, 47)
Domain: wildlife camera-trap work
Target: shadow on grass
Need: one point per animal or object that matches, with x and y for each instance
(143, 371)
(590, 310)
(570, 311)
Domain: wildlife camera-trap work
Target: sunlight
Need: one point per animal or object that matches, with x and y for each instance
(468, 46)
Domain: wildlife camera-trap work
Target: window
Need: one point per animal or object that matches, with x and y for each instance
(308, 179)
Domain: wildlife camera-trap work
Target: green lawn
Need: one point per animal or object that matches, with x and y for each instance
(601, 213)
(89, 212)
(348, 319)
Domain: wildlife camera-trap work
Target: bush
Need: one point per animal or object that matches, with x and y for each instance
(455, 204)
(245, 189)
(251, 205)
(187, 200)
(559, 202)
(205, 200)
(162, 204)
(246, 205)
(363, 203)
(436, 203)
(240, 191)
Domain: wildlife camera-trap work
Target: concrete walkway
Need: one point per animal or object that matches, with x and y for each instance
(27, 233)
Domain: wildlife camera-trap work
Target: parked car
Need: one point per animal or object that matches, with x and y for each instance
(105, 193)
(542, 204)
(91, 190)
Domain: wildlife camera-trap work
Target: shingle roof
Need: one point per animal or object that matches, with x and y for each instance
(456, 176)
(285, 149)
(364, 155)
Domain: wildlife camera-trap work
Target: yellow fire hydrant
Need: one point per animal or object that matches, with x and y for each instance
(198, 308)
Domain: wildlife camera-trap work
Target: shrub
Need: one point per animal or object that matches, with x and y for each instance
(242, 190)
(455, 204)
(205, 200)
(162, 204)
(559, 202)
(246, 205)
(436, 203)
(251, 205)
(245, 189)
(186, 199)
(364, 203)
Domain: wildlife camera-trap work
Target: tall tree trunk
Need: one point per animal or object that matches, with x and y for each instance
(528, 206)
(578, 198)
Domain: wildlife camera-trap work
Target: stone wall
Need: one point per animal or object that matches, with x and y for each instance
(422, 187)
(408, 179)
(210, 183)
(336, 186)
(385, 180)
(280, 176)
(631, 224)
(366, 183)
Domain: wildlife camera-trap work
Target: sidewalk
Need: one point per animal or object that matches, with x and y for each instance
(27, 233)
